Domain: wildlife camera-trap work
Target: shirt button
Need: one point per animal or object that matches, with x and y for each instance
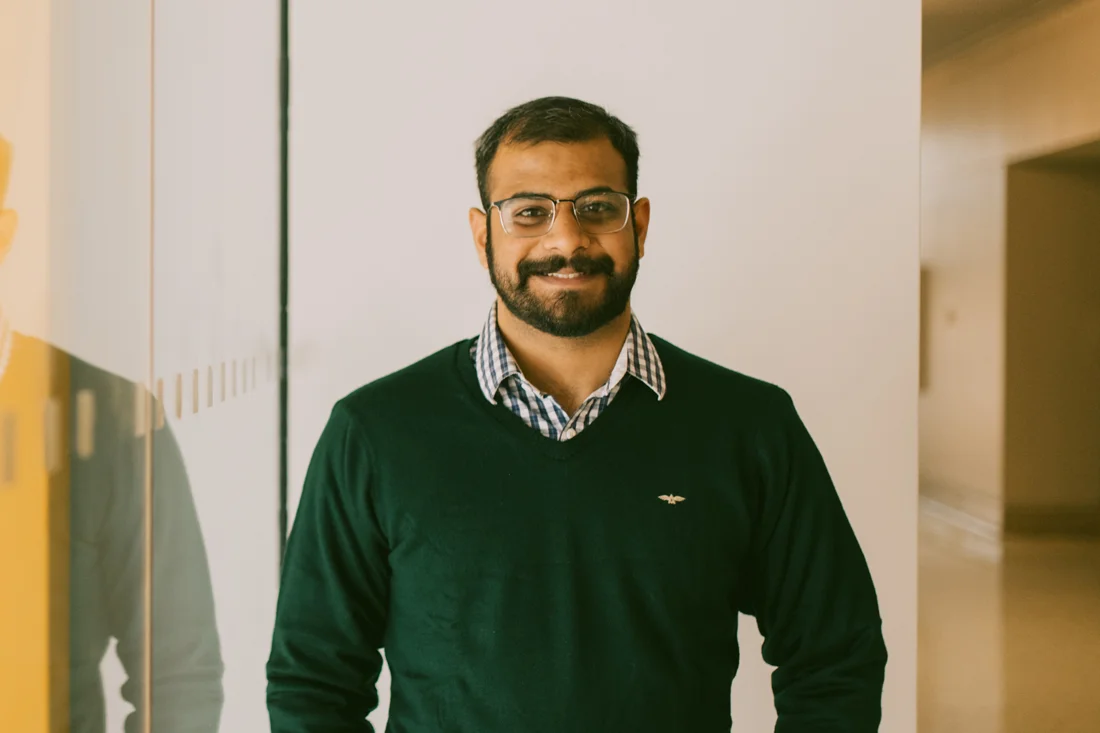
(569, 433)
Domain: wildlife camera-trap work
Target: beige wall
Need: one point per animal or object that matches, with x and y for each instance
(1013, 97)
(1052, 369)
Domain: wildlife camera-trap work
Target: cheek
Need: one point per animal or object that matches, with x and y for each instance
(504, 266)
(622, 252)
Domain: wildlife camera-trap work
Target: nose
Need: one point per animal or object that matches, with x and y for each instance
(566, 236)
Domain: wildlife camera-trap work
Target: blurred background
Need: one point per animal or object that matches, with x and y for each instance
(218, 217)
(1010, 387)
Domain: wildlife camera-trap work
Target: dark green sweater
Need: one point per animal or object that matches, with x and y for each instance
(522, 585)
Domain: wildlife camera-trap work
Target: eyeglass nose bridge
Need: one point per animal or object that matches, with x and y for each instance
(554, 216)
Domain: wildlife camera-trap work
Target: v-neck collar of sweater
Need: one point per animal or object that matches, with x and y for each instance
(628, 398)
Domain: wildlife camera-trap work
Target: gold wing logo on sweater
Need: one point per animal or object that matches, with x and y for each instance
(670, 498)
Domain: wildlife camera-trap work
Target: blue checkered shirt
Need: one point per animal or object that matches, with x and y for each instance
(501, 379)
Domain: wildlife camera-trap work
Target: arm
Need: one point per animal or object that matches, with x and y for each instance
(331, 614)
(187, 666)
(812, 594)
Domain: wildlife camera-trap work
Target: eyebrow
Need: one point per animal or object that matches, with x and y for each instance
(585, 192)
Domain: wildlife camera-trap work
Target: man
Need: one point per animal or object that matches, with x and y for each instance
(100, 497)
(554, 525)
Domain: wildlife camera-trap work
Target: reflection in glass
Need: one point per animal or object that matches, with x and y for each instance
(108, 571)
(75, 450)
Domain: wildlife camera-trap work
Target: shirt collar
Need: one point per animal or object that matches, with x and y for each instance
(638, 358)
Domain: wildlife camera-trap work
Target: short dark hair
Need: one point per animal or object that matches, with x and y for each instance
(556, 119)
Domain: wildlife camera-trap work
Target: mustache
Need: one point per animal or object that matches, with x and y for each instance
(580, 262)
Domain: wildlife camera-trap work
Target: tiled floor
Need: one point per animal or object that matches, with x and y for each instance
(1009, 638)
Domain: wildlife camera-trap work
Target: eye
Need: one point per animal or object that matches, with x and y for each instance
(529, 212)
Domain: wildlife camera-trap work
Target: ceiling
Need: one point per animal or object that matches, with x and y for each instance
(950, 24)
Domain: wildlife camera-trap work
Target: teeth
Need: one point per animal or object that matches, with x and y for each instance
(567, 277)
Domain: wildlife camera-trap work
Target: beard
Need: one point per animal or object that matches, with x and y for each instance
(568, 313)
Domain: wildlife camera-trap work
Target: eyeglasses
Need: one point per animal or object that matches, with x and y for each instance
(604, 212)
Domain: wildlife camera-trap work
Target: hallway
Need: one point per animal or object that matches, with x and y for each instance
(1009, 640)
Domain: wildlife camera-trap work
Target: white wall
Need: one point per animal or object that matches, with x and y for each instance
(794, 124)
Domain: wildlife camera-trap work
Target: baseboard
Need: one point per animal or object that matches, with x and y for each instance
(987, 511)
(985, 515)
(941, 519)
(1059, 520)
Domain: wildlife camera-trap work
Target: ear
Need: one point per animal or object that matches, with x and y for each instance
(641, 223)
(479, 224)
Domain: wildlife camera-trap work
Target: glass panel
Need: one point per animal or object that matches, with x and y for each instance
(215, 338)
(139, 322)
(76, 93)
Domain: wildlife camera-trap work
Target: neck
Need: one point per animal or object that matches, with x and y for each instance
(570, 369)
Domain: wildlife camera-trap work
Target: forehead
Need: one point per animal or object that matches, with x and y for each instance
(559, 169)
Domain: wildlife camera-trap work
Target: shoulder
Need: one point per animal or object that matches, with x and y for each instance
(703, 382)
(759, 415)
(85, 375)
(424, 386)
(118, 404)
(79, 384)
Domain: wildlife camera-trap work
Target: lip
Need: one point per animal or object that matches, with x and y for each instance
(571, 279)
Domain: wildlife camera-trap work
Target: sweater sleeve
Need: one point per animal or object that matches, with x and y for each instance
(324, 663)
(811, 592)
(187, 664)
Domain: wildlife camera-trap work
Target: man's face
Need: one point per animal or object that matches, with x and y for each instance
(528, 272)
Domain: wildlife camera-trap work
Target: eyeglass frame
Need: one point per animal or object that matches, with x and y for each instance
(554, 215)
